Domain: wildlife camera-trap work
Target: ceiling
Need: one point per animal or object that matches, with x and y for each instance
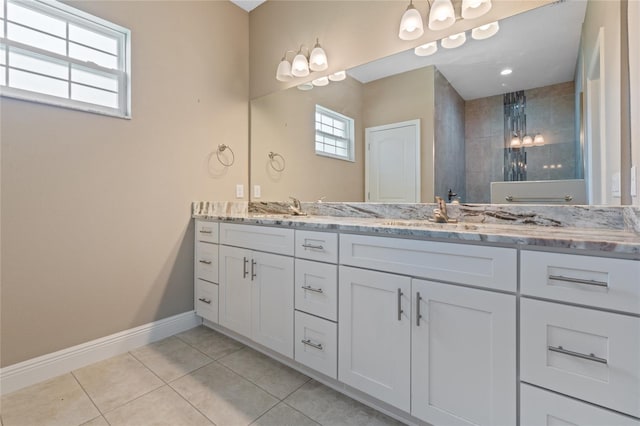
(540, 46)
(248, 5)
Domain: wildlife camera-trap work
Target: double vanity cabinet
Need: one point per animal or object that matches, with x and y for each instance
(446, 333)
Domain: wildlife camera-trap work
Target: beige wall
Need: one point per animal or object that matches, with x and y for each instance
(402, 97)
(96, 234)
(351, 32)
(283, 122)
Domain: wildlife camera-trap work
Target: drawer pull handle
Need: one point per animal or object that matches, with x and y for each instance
(245, 263)
(206, 231)
(418, 314)
(578, 281)
(207, 301)
(400, 311)
(313, 246)
(315, 290)
(308, 342)
(590, 357)
(253, 269)
(206, 262)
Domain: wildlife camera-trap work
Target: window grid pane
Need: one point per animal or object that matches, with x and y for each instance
(333, 134)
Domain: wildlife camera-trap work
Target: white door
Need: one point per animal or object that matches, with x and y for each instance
(374, 334)
(235, 290)
(392, 163)
(272, 301)
(463, 355)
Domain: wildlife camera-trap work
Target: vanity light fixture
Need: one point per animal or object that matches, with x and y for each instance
(453, 41)
(538, 139)
(527, 140)
(411, 24)
(302, 64)
(441, 15)
(319, 82)
(305, 86)
(515, 141)
(483, 32)
(426, 49)
(318, 58)
(506, 71)
(472, 9)
(338, 76)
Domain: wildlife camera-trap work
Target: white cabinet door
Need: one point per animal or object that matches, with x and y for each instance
(374, 334)
(235, 290)
(272, 301)
(463, 355)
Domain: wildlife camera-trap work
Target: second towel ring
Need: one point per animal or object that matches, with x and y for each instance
(221, 148)
(272, 159)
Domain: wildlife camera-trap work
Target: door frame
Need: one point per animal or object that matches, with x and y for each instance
(416, 124)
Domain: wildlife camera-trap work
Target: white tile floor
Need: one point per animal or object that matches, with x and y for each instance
(198, 377)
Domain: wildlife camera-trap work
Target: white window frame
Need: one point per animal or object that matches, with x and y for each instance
(90, 22)
(350, 131)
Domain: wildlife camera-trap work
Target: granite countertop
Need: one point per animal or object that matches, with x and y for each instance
(622, 241)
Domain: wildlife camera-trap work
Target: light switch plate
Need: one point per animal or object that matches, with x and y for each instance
(239, 190)
(257, 191)
(634, 181)
(615, 185)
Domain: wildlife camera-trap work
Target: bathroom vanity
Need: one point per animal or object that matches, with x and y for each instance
(465, 324)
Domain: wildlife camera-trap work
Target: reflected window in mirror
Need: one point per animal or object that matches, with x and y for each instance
(334, 134)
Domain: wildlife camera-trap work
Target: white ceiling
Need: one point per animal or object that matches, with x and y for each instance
(541, 46)
(248, 5)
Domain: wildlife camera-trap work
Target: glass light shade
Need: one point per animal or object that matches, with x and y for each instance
(300, 66)
(475, 8)
(338, 76)
(322, 81)
(411, 24)
(453, 41)
(426, 49)
(483, 32)
(305, 86)
(284, 71)
(538, 140)
(318, 58)
(515, 141)
(527, 140)
(441, 15)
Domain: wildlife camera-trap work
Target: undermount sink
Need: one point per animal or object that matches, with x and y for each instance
(429, 224)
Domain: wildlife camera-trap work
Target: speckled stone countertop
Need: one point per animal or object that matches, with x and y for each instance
(614, 230)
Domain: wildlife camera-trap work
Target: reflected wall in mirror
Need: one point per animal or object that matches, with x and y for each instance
(457, 95)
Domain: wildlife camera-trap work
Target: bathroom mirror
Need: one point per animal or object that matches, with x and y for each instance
(541, 47)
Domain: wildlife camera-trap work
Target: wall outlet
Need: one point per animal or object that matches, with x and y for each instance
(615, 185)
(634, 181)
(257, 191)
(239, 190)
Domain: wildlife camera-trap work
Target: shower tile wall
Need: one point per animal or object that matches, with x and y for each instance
(550, 111)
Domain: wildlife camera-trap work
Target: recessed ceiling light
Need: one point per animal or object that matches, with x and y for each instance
(506, 71)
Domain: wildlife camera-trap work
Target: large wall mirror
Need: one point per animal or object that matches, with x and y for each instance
(452, 104)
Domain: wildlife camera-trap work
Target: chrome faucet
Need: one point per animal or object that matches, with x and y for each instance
(296, 207)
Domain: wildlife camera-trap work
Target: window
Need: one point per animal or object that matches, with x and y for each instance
(55, 54)
(334, 134)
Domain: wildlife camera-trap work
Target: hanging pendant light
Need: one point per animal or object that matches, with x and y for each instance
(515, 141)
(300, 66)
(318, 58)
(426, 49)
(454, 41)
(538, 140)
(441, 15)
(483, 32)
(411, 24)
(283, 72)
(472, 9)
(527, 140)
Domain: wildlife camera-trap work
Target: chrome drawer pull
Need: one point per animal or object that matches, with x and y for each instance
(590, 357)
(308, 342)
(253, 269)
(578, 281)
(206, 231)
(418, 314)
(207, 301)
(400, 311)
(313, 246)
(245, 262)
(315, 290)
(206, 262)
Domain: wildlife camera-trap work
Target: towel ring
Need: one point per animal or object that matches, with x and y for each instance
(272, 157)
(221, 148)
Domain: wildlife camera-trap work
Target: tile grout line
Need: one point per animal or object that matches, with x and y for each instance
(294, 408)
(189, 402)
(87, 393)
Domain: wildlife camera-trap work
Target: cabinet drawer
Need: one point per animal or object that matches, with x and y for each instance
(316, 344)
(539, 407)
(322, 246)
(595, 281)
(584, 353)
(263, 238)
(206, 303)
(317, 288)
(207, 261)
(490, 267)
(207, 231)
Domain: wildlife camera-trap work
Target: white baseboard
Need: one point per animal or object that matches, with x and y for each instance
(26, 373)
